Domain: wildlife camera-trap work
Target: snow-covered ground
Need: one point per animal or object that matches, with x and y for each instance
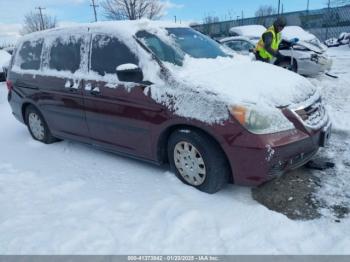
(69, 198)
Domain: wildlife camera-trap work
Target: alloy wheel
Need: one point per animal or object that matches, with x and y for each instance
(36, 126)
(190, 163)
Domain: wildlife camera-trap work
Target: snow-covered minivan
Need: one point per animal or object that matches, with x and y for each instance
(307, 57)
(165, 93)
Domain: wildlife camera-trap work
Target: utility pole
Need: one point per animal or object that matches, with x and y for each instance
(279, 6)
(94, 6)
(42, 26)
(175, 19)
(308, 5)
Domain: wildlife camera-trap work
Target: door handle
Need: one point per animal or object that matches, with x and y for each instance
(73, 90)
(95, 91)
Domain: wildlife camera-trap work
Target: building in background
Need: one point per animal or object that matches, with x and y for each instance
(324, 23)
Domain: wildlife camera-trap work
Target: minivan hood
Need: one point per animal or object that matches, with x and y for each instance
(314, 46)
(239, 81)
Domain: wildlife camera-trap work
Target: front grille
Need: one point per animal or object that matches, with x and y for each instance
(313, 116)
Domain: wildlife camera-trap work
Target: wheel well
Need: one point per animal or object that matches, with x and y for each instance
(162, 146)
(24, 108)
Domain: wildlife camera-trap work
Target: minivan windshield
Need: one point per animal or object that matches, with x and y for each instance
(183, 41)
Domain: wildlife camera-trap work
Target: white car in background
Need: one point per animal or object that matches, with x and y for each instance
(307, 57)
(5, 58)
(343, 39)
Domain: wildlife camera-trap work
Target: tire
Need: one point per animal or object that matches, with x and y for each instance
(37, 126)
(287, 65)
(197, 161)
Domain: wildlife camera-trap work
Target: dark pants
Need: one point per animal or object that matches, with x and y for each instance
(259, 58)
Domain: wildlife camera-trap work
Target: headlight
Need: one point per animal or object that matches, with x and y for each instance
(314, 58)
(264, 121)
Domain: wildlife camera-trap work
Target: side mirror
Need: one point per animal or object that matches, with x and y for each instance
(129, 73)
(294, 40)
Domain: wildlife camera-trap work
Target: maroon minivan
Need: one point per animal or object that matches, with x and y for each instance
(135, 88)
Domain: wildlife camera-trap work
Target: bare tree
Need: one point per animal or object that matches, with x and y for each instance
(133, 9)
(208, 23)
(265, 10)
(36, 22)
(211, 19)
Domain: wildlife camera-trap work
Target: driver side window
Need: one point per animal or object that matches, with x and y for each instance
(159, 48)
(108, 53)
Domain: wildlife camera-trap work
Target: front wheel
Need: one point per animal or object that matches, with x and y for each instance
(37, 126)
(198, 161)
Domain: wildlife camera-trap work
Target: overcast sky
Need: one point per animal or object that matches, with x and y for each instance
(12, 11)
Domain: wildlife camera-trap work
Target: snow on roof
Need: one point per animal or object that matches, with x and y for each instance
(125, 28)
(249, 30)
(291, 32)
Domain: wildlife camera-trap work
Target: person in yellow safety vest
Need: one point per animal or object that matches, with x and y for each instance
(268, 46)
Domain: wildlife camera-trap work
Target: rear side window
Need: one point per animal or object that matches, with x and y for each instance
(29, 55)
(65, 54)
(108, 53)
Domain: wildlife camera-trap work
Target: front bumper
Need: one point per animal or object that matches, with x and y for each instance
(256, 159)
(309, 67)
(271, 155)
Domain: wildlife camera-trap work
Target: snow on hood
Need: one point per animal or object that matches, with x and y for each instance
(249, 30)
(245, 81)
(290, 32)
(306, 39)
(206, 88)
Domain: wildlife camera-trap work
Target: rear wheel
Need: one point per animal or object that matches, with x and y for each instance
(37, 126)
(198, 161)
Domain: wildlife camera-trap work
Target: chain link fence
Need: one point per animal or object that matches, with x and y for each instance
(324, 23)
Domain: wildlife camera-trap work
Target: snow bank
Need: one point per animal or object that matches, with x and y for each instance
(72, 199)
(248, 30)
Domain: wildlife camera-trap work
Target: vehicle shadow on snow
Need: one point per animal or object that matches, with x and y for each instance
(307, 194)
